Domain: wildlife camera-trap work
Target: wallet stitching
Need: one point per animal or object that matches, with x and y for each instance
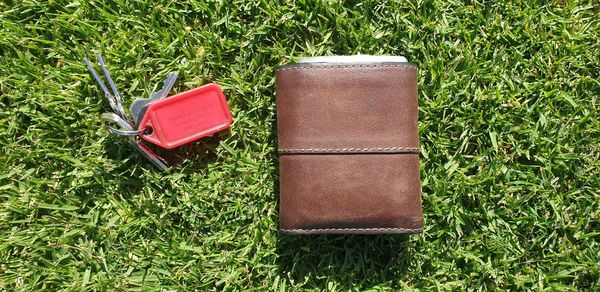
(354, 229)
(346, 66)
(350, 149)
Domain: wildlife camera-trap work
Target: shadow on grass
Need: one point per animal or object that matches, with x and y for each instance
(343, 260)
(191, 157)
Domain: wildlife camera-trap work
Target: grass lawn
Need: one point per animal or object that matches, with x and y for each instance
(509, 126)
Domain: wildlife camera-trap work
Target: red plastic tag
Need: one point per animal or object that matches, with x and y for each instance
(185, 117)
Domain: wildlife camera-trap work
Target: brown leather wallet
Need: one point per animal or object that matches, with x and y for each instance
(348, 145)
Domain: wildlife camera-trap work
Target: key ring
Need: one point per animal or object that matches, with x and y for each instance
(114, 118)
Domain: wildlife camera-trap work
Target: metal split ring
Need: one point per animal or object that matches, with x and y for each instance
(116, 119)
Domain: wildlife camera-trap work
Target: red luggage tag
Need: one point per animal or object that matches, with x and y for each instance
(185, 117)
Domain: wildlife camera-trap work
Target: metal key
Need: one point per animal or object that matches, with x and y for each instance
(139, 106)
(119, 116)
(158, 161)
(114, 98)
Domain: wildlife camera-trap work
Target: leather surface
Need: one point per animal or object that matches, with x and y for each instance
(348, 144)
(333, 108)
(349, 193)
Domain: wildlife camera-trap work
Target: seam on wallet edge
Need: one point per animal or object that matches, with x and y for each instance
(346, 66)
(353, 229)
(350, 149)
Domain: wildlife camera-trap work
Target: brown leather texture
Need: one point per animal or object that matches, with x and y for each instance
(335, 108)
(348, 144)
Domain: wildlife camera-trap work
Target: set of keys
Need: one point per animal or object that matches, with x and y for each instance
(165, 121)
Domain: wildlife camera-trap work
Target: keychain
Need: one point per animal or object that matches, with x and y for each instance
(165, 121)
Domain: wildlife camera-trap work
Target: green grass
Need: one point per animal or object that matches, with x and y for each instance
(509, 125)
